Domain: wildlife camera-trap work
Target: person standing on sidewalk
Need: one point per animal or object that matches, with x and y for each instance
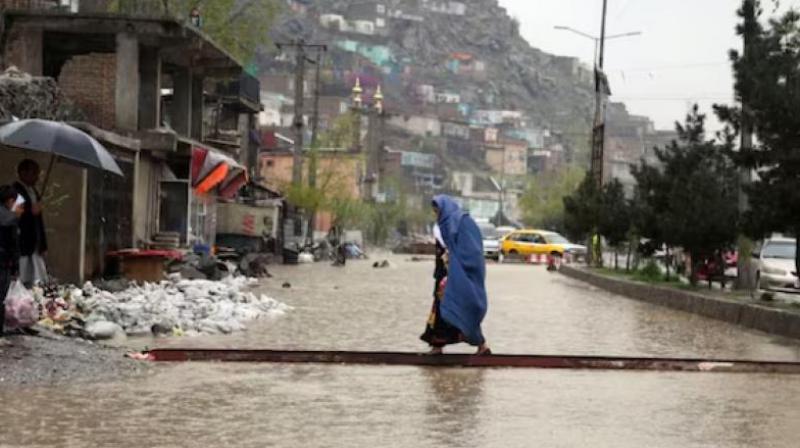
(32, 237)
(10, 212)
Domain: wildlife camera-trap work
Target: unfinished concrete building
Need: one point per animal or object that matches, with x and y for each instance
(173, 107)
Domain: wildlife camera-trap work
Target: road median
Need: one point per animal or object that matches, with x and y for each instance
(763, 317)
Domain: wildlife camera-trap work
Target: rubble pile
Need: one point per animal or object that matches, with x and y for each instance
(24, 96)
(177, 306)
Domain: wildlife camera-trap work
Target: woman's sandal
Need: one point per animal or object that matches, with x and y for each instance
(485, 352)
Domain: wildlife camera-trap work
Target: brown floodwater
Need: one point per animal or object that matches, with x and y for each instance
(361, 308)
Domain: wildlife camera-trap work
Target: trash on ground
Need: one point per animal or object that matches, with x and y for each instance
(21, 311)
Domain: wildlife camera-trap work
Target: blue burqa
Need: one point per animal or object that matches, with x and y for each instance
(464, 303)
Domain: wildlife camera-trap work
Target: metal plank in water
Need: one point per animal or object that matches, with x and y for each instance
(459, 360)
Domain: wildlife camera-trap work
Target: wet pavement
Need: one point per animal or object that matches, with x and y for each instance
(361, 308)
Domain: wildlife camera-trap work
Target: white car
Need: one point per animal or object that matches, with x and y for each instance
(491, 241)
(775, 266)
(577, 251)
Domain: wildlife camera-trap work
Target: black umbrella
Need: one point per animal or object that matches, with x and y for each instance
(61, 141)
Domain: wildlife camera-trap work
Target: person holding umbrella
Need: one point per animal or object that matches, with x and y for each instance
(33, 239)
(62, 143)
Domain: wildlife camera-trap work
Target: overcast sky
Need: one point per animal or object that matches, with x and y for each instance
(681, 57)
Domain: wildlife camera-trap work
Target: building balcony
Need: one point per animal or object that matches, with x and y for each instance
(243, 92)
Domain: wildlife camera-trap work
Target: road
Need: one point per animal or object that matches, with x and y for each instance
(361, 308)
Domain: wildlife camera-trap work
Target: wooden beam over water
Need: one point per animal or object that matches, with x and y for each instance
(459, 360)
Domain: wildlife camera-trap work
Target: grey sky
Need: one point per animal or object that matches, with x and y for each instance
(681, 58)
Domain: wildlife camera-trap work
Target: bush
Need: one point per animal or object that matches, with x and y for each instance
(650, 273)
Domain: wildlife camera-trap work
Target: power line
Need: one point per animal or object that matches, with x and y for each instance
(695, 98)
(671, 67)
(623, 9)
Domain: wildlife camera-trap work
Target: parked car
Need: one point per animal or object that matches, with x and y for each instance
(505, 230)
(491, 241)
(711, 268)
(523, 243)
(774, 266)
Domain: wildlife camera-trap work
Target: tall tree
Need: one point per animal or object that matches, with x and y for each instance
(615, 217)
(690, 202)
(542, 203)
(768, 76)
(582, 210)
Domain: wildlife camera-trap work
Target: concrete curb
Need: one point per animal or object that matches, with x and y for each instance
(750, 315)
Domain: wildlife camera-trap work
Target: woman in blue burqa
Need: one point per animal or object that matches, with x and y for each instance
(459, 299)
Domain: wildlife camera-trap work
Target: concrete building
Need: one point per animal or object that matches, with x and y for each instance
(339, 173)
(421, 125)
(509, 157)
(456, 129)
(426, 93)
(448, 98)
(142, 84)
(445, 7)
(629, 140)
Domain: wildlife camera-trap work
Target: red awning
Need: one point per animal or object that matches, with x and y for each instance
(214, 170)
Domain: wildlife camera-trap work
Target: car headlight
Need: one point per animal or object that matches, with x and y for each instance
(774, 271)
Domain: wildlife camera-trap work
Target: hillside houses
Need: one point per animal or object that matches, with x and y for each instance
(449, 7)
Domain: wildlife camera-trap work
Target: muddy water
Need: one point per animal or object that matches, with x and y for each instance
(531, 311)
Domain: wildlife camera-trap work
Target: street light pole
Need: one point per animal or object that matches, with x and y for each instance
(600, 90)
(600, 87)
(596, 39)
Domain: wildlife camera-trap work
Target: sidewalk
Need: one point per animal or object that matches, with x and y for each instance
(774, 318)
(50, 360)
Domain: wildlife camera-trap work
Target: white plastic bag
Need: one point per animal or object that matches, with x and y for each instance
(21, 310)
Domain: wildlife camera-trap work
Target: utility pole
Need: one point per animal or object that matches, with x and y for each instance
(312, 162)
(299, 96)
(601, 90)
(502, 214)
(598, 134)
(744, 278)
(598, 131)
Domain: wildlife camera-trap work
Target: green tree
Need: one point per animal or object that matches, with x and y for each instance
(239, 26)
(648, 206)
(341, 133)
(614, 217)
(768, 81)
(542, 203)
(582, 210)
(691, 201)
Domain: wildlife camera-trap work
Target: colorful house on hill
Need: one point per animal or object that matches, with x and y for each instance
(465, 64)
(445, 7)
(380, 55)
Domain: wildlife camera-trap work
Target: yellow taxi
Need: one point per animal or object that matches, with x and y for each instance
(523, 243)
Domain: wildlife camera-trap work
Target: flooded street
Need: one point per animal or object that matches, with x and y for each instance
(361, 308)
